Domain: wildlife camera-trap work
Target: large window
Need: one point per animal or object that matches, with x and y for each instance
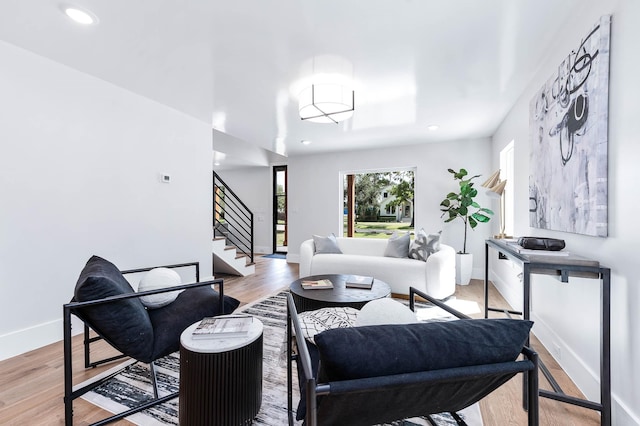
(377, 204)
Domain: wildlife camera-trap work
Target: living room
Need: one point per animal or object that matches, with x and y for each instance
(83, 155)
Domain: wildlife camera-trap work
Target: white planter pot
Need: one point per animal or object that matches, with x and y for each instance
(464, 266)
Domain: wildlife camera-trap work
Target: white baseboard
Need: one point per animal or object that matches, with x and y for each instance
(28, 339)
(293, 258)
(261, 249)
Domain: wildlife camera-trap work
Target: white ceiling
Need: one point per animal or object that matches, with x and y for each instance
(238, 64)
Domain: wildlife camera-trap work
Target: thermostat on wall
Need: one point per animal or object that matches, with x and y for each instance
(165, 178)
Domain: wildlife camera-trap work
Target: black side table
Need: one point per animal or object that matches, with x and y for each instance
(221, 379)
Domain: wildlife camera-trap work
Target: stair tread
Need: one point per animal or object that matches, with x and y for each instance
(219, 238)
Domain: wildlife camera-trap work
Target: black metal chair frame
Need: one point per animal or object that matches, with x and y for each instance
(70, 394)
(315, 389)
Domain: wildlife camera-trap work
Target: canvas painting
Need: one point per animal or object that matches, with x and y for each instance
(568, 120)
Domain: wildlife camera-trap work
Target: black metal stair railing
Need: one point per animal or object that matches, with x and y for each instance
(232, 219)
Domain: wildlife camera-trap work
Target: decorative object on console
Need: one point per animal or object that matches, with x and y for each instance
(539, 243)
(496, 188)
(568, 125)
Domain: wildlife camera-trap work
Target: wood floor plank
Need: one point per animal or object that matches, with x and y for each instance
(31, 384)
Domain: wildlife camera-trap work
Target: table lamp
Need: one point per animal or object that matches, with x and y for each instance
(496, 190)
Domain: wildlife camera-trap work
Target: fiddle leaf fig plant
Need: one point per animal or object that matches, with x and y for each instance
(461, 204)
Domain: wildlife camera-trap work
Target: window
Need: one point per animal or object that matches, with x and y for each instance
(507, 172)
(377, 203)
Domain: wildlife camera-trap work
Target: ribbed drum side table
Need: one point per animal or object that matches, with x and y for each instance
(220, 379)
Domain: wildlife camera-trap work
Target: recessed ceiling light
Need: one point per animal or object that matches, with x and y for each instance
(216, 163)
(433, 127)
(80, 16)
(305, 142)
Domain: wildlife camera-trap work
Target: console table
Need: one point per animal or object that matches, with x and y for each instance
(564, 267)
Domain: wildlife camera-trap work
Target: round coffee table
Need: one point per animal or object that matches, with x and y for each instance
(339, 295)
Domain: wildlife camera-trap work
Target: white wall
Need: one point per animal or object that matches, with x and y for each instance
(254, 187)
(79, 175)
(315, 199)
(567, 315)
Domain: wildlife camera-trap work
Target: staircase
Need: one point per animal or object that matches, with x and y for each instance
(232, 232)
(227, 260)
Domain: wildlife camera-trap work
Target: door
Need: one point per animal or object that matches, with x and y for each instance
(280, 209)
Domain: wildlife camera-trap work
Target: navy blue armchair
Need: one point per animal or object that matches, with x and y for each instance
(376, 374)
(107, 304)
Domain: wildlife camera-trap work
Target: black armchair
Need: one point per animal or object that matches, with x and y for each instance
(377, 374)
(106, 303)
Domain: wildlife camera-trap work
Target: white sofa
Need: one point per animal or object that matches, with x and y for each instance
(365, 256)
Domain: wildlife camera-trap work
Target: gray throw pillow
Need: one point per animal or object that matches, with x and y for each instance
(398, 245)
(326, 245)
(424, 245)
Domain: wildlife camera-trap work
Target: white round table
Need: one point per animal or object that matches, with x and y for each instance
(220, 378)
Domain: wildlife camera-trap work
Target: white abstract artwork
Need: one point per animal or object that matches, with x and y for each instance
(568, 120)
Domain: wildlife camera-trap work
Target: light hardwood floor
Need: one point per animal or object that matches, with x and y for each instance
(31, 384)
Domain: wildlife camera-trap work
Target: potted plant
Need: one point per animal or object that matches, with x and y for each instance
(461, 205)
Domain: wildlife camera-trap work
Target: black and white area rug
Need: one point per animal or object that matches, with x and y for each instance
(133, 386)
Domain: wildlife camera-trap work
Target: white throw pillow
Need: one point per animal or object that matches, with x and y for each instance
(385, 311)
(315, 322)
(327, 244)
(155, 279)
(398, 245)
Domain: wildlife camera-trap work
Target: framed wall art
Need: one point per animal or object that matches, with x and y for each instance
(568, 135)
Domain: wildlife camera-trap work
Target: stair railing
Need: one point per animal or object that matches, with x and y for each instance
(232, 219)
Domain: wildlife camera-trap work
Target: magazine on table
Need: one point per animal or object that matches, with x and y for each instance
(359, 281)
(316, 285)
(223, 327)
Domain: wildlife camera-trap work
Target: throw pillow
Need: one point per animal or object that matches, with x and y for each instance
(314, 322)
(327, 244)
(156, 279)
(385, 311)
(398, 245)
(424, 245)
(434, 346)
(126, 322)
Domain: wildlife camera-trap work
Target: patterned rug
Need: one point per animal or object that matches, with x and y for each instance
(133, 385)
